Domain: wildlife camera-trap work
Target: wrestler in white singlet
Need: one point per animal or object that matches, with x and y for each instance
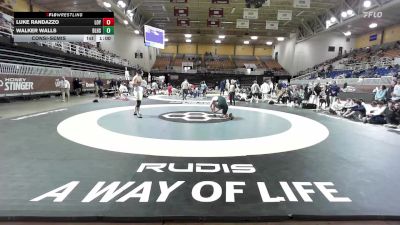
(138, 92)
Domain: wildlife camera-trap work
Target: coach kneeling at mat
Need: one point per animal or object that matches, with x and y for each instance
(219, 103)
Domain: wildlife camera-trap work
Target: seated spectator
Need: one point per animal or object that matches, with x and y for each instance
(296, 96)
(392, 114)
(336, 107)
(283, 96)
(375, 113)
(380, 94)
(356, 112)
(123, 92)
(348, 105)
(396, 92)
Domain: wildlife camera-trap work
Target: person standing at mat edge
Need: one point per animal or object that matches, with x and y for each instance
(219, 103)
(65, 86)
(255, 91)
(185, 89)
(232, 90)
(138, 91)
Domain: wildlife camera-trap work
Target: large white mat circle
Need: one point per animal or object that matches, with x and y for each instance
(84, 129)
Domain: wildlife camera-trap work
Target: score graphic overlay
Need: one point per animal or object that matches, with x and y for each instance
(63, 26)
(154, 37)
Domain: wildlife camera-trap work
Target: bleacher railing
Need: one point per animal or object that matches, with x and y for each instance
(80, 50)
(27, 70)
(379, 62)
(6, 30)
(238, 71)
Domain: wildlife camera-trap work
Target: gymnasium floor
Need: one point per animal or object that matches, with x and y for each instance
(97, 162)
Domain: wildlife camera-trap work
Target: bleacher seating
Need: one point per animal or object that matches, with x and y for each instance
(392, 53)
(162, 62)
(178, 60)
(273, 64)
(220, 63)
(241, 61)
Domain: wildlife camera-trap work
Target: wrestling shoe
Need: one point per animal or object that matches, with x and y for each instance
(135, 113)
(139, 115)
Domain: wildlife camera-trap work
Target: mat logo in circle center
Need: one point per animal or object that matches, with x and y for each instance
(192, 117)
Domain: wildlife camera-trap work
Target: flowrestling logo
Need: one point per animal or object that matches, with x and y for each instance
(373, 14)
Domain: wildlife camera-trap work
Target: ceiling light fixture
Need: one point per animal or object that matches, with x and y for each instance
(333, 19)
(348, 33)
(218, 41)
(129, 13)
(137, 32)
(280, 38)
(107, 4)
(188, 35)
(246, 42)
(121, 4)
(328, 24)
(344, 14)
(253, 37)
(188, 40)
(367, 4)
(269, 43)
(166, 40)
(373, 25)
(221, 36)
(126, 22)
(350, 12)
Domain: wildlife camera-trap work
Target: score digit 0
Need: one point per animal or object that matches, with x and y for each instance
(108, 30)
(108, 21)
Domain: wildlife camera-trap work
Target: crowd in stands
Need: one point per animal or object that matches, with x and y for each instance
(379, 61)
(367, 62)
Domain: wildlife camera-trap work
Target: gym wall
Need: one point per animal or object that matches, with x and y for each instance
(364, 40)
(126, 44)
(390, 34)
(295, 57)
(222, 49)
